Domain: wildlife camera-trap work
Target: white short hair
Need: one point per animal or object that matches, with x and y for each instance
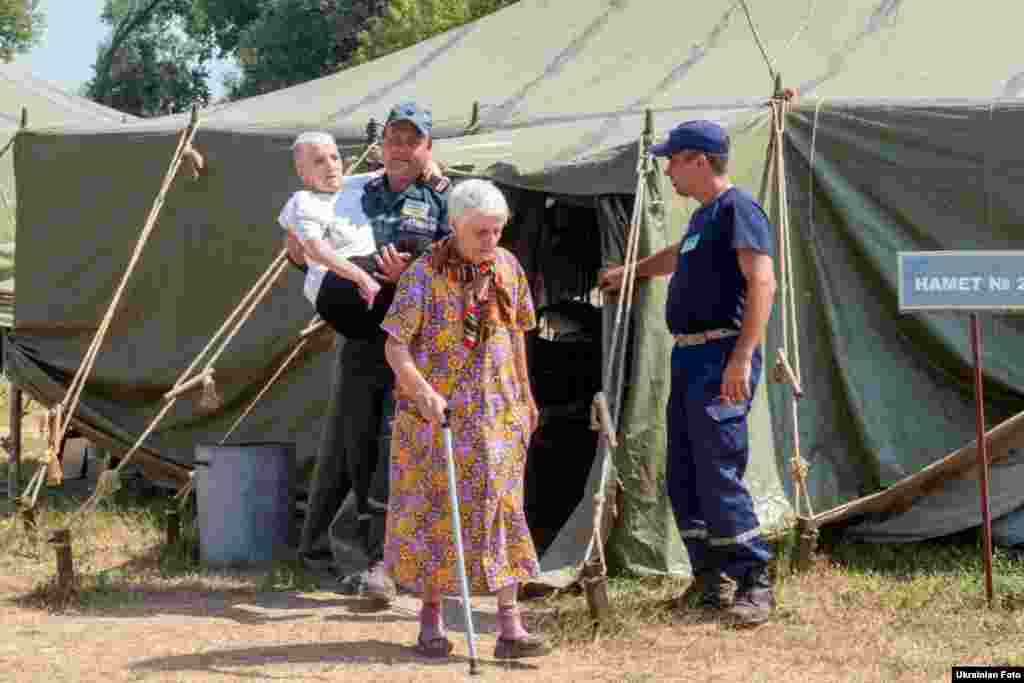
(313, 137)
(480, 195)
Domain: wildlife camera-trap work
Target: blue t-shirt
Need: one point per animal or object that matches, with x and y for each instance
(708, 290)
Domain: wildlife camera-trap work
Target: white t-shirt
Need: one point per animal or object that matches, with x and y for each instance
(337, 218)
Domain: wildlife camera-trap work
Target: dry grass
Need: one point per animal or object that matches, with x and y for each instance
(119, 551)
(863, 613)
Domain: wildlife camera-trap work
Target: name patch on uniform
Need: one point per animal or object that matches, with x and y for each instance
(416, 209)
(690, 243)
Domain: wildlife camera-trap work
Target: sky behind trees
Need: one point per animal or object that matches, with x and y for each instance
(67, 51)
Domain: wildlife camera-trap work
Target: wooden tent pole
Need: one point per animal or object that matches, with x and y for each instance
(13, 443)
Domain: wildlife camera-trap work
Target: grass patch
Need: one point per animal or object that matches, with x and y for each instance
(119, 551)
(120, 556)
(637, 603)
(891, 612)
(948, 572)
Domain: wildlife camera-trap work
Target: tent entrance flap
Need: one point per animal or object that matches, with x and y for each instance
(556, 239)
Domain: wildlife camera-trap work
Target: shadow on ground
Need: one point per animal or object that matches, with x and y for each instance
(338, 652)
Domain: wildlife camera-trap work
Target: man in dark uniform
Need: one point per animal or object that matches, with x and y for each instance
(407, 214)
(719, 301)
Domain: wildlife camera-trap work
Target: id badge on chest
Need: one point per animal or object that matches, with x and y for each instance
(415, 209)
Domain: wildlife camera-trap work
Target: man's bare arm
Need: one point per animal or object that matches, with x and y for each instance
(760, 275)
(759, 272)
(656, 265)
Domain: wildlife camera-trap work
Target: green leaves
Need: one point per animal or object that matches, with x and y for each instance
(21, 25)
(150, 66)
(156, 59)
(408, 22)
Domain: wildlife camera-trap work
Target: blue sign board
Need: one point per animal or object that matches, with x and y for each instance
(961, 280)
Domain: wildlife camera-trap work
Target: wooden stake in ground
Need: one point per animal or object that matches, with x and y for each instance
(173, 526)
(13, 444)
(595, 586)
(61, 542)
(807, 541)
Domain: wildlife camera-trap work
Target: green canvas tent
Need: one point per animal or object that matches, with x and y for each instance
(44, 105)
(561, 90)
(890, 176)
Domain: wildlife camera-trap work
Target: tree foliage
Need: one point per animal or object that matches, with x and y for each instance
(150, 65)
(162, 48)
(290, 42)
(21, 26)
(407, 22)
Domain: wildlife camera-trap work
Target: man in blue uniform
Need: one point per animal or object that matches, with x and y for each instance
(407, 214)
(719, 301)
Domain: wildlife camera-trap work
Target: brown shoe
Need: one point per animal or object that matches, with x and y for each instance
(521, 648)
(379, 586)
(755, 600)
(710, 590)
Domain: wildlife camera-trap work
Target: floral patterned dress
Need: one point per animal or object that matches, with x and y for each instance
(489, 423)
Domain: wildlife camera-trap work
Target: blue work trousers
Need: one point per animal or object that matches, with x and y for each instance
(708, 450)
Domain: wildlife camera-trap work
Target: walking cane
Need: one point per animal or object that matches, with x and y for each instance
(457, 533)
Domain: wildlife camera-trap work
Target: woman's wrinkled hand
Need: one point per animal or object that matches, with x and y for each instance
(431, 405)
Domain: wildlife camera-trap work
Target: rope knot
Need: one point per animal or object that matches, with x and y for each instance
(210, 400)
(799, 468)
(54, 471)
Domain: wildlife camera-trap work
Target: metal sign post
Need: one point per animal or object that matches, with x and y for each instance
(983, 462)
(966, 281)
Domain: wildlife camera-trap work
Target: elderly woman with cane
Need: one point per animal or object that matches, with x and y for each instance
(456, 343)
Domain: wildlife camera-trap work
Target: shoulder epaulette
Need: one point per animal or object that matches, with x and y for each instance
(439, 183)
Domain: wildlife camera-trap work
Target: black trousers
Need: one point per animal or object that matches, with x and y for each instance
(368, 411)
(341, 307)
(355, 450)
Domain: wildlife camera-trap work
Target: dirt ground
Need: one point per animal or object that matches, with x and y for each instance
(831, 625)
(324, 636)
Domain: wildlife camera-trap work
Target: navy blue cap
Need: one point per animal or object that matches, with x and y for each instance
(699, 136)
(412, 112)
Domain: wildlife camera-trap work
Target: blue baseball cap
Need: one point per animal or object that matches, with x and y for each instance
(412, 112)
(699, 136)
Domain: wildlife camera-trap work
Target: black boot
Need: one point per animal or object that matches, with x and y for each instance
(755, 599)
(710, 590)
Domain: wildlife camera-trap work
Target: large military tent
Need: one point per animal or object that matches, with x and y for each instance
(561, 90)
(44, 105)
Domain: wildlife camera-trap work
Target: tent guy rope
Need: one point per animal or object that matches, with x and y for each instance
(315, 325)
(602, 418)
(62, 414)
(21, 128)
(108, 482)
(787, 367)
(757, 39)
(187, 381)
